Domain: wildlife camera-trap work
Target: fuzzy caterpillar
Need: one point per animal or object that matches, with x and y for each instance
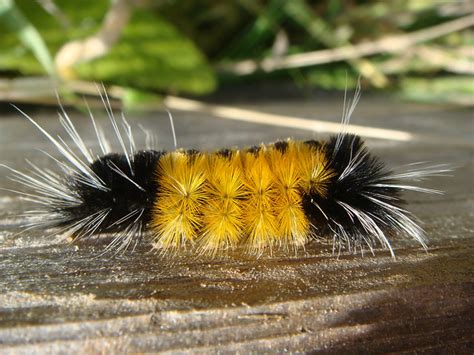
(278, 195)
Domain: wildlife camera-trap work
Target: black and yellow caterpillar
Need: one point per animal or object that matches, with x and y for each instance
(269, 196)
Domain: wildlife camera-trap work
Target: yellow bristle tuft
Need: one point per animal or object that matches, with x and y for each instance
(313, 165)
(292, 222)
(259, 216)
(222, 216)
(181, 195)
(249, 198)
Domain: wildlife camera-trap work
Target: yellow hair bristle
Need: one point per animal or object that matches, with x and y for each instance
(222, 222)
(260, 220)
(253, 198)
(293, 225)
(313, 165)
(181, 195)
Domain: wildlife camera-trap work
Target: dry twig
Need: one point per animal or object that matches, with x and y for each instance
(389, 44)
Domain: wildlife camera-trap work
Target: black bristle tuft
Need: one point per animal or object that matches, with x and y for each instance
(281, 146)
(313, 144)
(351, 203)
(225, 152)
(122, 197)
(254, 149)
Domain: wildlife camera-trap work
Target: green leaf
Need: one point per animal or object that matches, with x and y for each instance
(151, 54)
(456, 89)
(254, 38)
(14, 20)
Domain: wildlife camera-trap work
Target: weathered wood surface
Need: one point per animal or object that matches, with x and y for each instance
(61, 297)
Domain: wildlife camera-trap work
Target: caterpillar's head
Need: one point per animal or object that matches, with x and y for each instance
(125, 198)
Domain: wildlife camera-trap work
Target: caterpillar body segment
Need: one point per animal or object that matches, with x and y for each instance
(279, 195)
(245, 197)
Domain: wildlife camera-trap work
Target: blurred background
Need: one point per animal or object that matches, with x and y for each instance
(143, 50)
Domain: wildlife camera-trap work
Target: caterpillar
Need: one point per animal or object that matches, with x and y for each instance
(278, 195)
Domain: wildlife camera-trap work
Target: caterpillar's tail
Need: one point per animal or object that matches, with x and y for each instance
(363, 205)
(92, 193)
